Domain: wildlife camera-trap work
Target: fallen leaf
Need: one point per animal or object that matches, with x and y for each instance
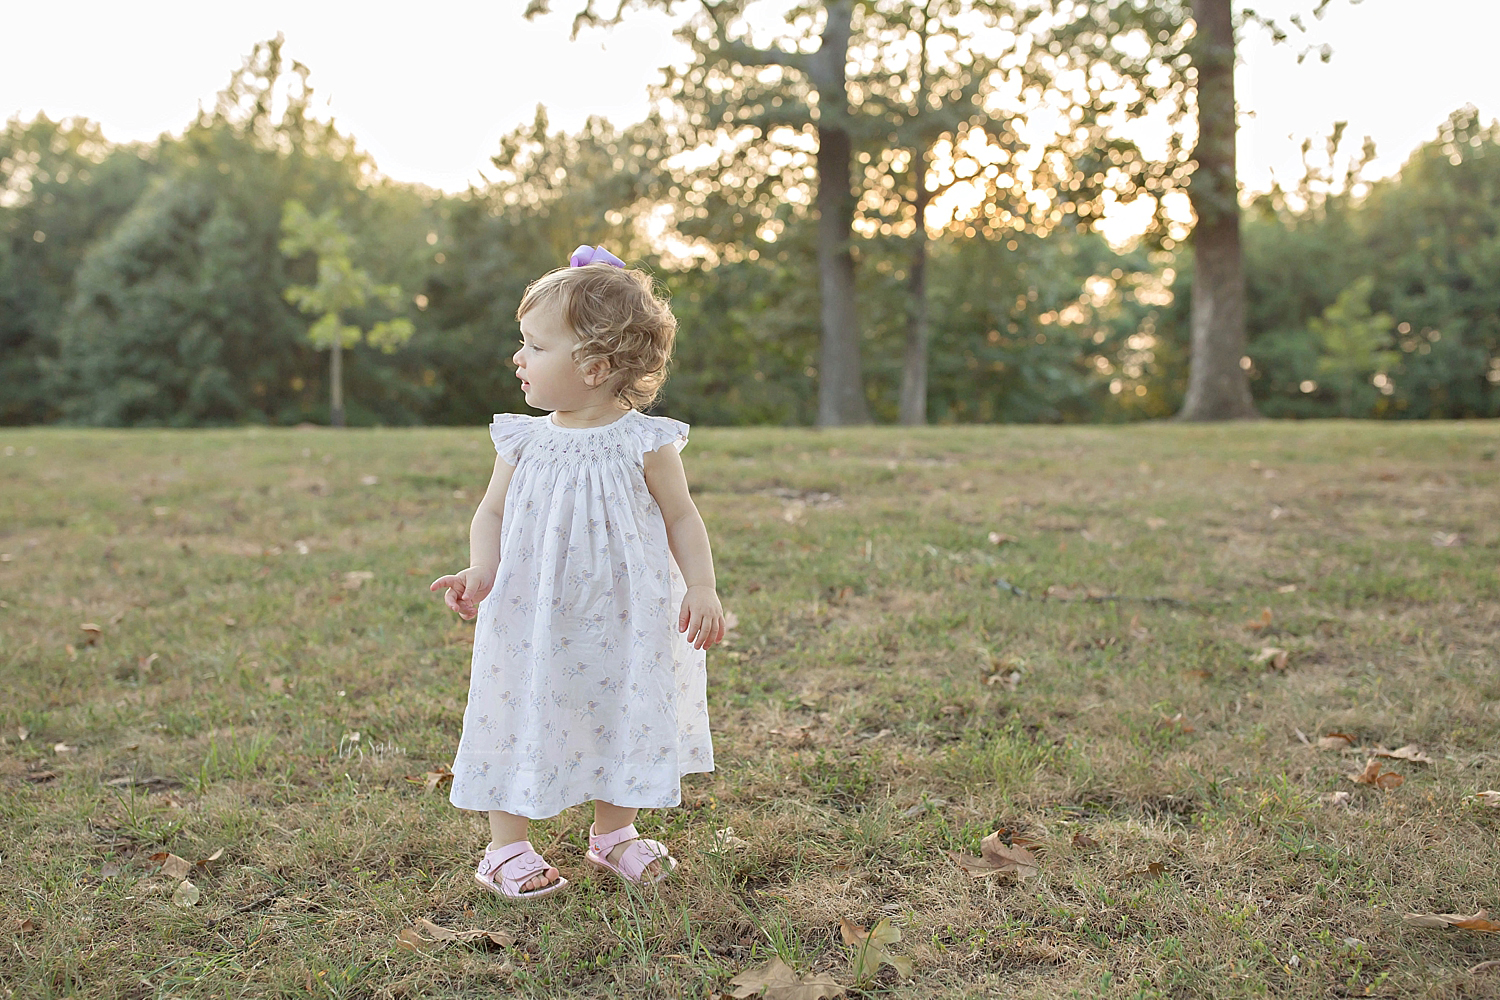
(145, 663)
(1372, 775)
(110, 869)
(231, 622)
(997, 858)
(22, 733)
(171, 865)
(1446, 539)
(1262, 623)
(187, 894)
(205, 862)
(1408, 752)
(436, 932)
(1335, 741)
(28, 925)
(1289, 588)
(1177, 723)
(1275, 656)
(725, 841)
(41, 777)
(1155, 869)
(777, 981)
(997, 538)
(91, 633)
(1478, 922)
(913, 812)
(412, 941)
(1491, 799)
(369, 480)
(870, 949)
(354, 579)
(62, 748)
(1083, 842)
(432, 779)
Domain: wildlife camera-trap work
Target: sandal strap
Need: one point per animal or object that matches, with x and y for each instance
(603, 843)
(515, 862)
(636, 857)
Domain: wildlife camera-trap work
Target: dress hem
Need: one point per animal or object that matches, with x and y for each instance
(592, 798)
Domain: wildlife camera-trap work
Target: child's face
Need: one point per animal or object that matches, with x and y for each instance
(544, 363)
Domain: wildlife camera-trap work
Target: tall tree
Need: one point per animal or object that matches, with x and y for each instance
(796, 83)
(1218, 388)
(341, 288)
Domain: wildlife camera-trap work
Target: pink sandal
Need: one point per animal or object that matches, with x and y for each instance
(515, 864)
(633, 862)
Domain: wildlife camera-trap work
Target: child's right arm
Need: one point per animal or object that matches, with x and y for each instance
(468, 587)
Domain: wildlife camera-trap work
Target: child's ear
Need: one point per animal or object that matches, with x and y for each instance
(595, 373)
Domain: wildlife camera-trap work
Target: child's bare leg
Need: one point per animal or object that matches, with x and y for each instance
(507, 829)
(609, 818)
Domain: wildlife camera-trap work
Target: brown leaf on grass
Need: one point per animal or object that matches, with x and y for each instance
(777, 981)
(870, 949)
(205, 862)
(1408, 752)
(432, 779)
(1446, 539)
(28, 925)
(1083, 842)
(1260, 624)
(437, 934)
(1335, 741)
(1372, 775)
(1175, 724)
(171, 865)
(1337, 799)
(41, 777)
(1491, 799)
(63, 748)
(999, 858)
(356, 578)
(1477, 922)
(1155, 869)
(997, 538)
(91, 633)
(1273, 656)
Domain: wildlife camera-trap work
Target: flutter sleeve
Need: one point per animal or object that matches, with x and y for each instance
(510, 432)
(658, 431)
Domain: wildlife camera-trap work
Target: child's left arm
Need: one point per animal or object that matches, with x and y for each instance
(702, 617)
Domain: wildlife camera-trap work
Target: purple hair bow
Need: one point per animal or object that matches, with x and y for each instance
(586, 255)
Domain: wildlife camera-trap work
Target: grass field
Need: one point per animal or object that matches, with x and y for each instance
(266, 667)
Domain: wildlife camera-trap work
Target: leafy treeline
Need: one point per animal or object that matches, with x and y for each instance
(148, 285)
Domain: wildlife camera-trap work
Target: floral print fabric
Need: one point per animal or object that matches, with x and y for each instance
(581, 687)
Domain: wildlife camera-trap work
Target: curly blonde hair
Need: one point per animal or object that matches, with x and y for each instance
(619, 317)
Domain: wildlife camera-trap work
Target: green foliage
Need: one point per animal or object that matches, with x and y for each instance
(62, 187)
(1353, 342)
(340, 287)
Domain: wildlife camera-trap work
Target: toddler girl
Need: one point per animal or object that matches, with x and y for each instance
(588, 675)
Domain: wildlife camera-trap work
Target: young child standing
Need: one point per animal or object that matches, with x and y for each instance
(591, 574)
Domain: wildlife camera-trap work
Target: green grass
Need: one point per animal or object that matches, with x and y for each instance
(856, 735)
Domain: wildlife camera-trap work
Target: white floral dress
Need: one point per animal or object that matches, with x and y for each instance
(582, 688)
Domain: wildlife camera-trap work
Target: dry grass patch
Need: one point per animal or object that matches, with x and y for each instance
(1133, 676)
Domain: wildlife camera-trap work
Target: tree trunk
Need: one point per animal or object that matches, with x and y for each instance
(1218, 388)
(914, 373)
(841, 390)
(336, 384)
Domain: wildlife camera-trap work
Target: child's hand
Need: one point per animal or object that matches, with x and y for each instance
(465, 590)
(702, 617)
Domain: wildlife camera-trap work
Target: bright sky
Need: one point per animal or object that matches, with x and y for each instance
(429, 89)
